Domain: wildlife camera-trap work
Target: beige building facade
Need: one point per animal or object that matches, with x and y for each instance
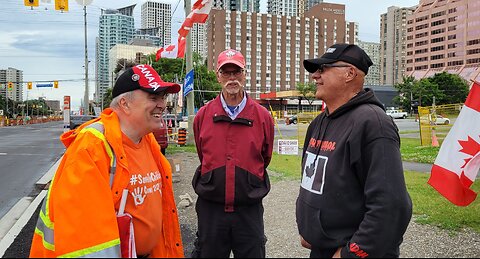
(133, 53)
(444, 36)
(393, 35)
(373, 51)
(16, 77)
(275, 46)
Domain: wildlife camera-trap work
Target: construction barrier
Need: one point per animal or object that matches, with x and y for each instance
(182, 137)
(435, 122)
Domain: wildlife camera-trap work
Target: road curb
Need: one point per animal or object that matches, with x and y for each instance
(18, 216)
(9, 238)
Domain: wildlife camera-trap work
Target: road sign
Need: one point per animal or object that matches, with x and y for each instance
(188, 85)
(1, 112)
(287, 147)
(66, 102)
(44, 85)
(84, 2)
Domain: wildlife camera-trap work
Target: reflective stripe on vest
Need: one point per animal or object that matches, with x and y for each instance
(98, 130)
(110, 249)
(45, 227)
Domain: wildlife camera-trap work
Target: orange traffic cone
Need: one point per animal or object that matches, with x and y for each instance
(434, 139)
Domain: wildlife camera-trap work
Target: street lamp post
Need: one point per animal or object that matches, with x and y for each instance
(84, 3)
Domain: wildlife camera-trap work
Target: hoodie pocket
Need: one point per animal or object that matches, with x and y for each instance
(311, 227)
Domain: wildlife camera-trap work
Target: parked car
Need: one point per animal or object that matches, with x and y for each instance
(291, 120)
(77, 120)
(174, 119)
(161, 135)
(396, 114)
(433, 119)
(440, 120)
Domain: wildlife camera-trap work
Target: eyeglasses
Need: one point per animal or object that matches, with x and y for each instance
(322, 67)
(227, 74)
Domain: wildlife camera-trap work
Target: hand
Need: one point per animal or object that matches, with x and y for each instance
(338, 253)
(305, 243)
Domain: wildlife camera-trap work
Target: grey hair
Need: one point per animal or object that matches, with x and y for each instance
(116, 101)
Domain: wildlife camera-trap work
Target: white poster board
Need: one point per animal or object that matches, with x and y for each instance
(288, 147)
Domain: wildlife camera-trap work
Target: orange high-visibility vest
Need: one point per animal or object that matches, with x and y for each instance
(78, 215)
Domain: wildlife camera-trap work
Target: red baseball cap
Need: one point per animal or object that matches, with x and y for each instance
(230, 56)
(145, 78)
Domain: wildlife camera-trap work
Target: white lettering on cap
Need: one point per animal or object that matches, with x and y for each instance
(146, 73)
(330, 50)
(230, 53)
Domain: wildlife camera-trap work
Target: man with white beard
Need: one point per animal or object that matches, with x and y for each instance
(234, 139)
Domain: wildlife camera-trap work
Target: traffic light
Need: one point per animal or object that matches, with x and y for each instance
(31, 3)
(61, 5)
(29, 85)
(55, 84)
(10, 86)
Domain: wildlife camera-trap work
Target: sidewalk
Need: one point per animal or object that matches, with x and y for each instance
(417, 167)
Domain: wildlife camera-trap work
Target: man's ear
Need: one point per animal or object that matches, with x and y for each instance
(351, 74)
(124, 104)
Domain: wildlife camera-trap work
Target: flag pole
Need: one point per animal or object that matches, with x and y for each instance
(189, 65)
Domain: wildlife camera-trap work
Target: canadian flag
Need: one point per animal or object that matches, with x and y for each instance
(458, 160)
(172, 51)
(199, 14)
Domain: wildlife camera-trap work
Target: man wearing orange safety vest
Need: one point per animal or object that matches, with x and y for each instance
(106, 157)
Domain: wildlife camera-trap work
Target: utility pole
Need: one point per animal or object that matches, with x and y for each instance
(189, 66)
(86, 102)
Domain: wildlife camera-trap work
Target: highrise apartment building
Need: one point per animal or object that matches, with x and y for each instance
(351, 32)
(275, 46)
(393, 36)
(116, 27)
(305, 5)
(16, 77)
(282, 7)
(444, 36)
(199, 39)
(373, 51)
(158, 16)
(252, 6)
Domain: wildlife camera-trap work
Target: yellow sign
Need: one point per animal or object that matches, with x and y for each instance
(31, 3)
(61, 5)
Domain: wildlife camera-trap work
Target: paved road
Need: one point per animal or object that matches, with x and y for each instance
(26, 154)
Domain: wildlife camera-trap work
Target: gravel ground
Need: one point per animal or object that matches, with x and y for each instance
(420, 241)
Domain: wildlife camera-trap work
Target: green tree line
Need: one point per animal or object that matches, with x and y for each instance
(445, 88)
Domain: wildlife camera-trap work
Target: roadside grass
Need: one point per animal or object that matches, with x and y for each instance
(412, 151)
(429, 207)
(174, 148)
(285, 167)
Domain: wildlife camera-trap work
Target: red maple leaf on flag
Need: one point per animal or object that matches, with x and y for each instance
(469, 147)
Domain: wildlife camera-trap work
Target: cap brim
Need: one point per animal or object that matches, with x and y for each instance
(312, 65)
(170, 88)
(235, 62)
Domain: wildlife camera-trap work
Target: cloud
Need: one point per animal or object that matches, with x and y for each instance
(46, 43)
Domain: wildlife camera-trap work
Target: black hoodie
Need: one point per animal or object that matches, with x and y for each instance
(353, 192)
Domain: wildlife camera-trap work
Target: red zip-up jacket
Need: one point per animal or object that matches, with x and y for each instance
(234, 154)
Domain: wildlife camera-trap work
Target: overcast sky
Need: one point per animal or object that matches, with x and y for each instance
(48, 45)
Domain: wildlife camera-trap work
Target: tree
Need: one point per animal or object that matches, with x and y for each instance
(454, 88)
(446, 88)
(122, 64)
(107, 98)
(307, 90)
(206, 83)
